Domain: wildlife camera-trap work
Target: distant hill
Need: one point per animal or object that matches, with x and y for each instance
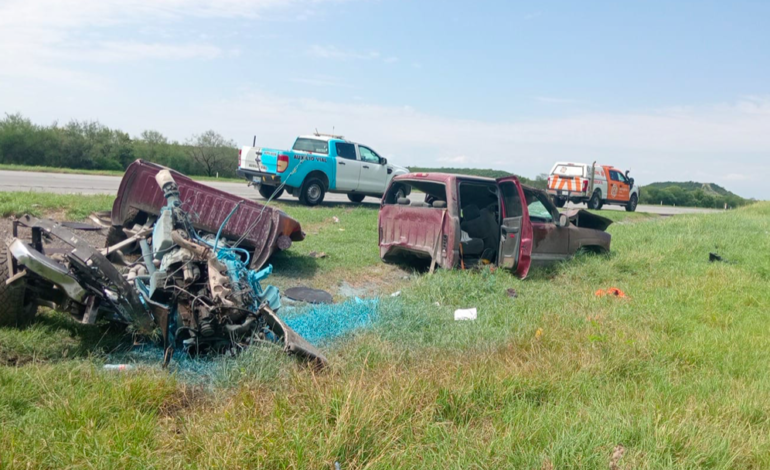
(691, 194)
(539, 182)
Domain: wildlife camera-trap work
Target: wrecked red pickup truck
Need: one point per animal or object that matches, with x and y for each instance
(264, 229)
(465, 220)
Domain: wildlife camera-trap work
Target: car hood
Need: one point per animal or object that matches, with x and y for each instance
(398, 170)
(584, 219)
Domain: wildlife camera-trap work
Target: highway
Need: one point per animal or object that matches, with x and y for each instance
(65, 183)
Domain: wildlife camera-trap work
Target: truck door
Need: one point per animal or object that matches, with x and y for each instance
(515, 250)
(618, 187)
(374, 175)
(348, 167)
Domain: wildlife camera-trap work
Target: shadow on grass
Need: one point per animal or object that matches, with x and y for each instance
(54, 336)
(293, 264)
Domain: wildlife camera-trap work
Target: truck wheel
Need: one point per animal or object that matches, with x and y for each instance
(559, 202)
(13, 312)
(312, 192)
(269, 191)
(631, 206)
(595, 202)
(356, 198)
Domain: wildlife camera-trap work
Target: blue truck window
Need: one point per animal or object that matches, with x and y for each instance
(312, 145)
(345, 150)
(368, 155)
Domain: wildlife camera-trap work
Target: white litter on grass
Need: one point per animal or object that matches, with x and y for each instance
(396, 294)
(465, 314)
(336, 220)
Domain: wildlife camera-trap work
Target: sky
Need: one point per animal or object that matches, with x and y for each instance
(672, 90)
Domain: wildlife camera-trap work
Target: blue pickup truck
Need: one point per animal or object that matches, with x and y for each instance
(315, 165)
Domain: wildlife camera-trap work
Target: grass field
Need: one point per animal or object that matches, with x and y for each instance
(676, 373)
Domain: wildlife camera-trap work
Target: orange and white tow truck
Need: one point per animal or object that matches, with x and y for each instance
(592, 184)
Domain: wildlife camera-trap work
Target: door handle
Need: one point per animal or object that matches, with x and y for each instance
(365, 166)
(340, 163)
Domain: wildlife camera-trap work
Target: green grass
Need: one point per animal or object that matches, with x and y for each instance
(556, 378)
(74, 206)
(76, 171)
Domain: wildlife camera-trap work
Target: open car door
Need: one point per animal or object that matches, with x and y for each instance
(515, 250)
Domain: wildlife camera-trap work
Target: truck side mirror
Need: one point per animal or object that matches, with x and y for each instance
(563, 220)
(383, 161)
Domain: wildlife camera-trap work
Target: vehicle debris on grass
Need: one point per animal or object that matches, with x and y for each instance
(195, 282)
(468, 221)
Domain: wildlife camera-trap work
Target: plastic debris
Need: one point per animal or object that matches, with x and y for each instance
(612, 291)
(465, 314)
(396, 294)
(538, 333)
(119, 367)
(336, 220)
(321, 323)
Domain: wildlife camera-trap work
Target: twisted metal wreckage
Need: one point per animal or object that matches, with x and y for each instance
(196, 287)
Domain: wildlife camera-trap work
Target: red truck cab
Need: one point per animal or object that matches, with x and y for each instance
(463, 220)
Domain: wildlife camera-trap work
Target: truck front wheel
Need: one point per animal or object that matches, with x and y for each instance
(269, 191)
(595, 203)
(312, 192)
(631, 206)
(356, 198)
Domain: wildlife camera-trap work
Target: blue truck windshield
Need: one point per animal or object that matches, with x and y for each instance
(312, 145)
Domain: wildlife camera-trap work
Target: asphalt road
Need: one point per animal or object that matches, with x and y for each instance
(64, 183)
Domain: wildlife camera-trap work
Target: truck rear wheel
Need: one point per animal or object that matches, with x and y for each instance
(356, 197)
(13, 312)
(595, 203)
(312, 192)
(269, 191)
(631, 206)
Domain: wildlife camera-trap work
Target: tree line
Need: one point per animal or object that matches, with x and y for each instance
(89, 145)
(676, 195)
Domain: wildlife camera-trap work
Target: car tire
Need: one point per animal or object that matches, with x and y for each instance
(312, 192)
(357, 198)
(559, 202)
(269, 191)
(13, 311)
(632, 203)
(595, 203)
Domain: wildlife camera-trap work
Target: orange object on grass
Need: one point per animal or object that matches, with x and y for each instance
(611, 291)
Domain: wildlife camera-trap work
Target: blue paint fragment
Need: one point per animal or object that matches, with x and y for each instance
(322, 323)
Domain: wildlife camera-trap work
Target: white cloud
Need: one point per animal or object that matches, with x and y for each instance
(39, 38)
(335, 53)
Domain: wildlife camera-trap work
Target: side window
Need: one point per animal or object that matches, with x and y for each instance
(345, 150)
(368, 155)
(511, 200)
(614, 175)
(621, 178)
(538, 210)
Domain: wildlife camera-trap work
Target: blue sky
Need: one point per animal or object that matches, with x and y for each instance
(671, 90)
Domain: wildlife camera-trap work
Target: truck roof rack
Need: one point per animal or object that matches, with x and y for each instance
(333, 136)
